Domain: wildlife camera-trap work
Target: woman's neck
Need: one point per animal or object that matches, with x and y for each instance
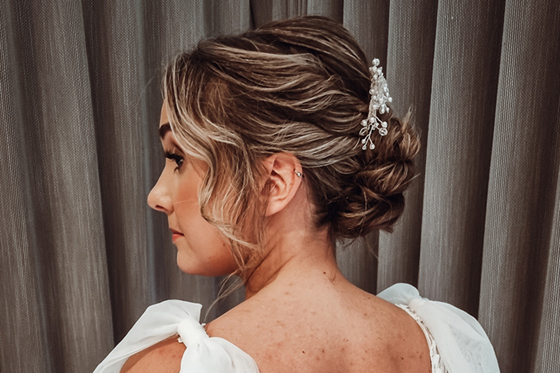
(293, 254)
(294, 249)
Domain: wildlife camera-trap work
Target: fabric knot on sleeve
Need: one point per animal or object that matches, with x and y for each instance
(191, 332)
(416, 303)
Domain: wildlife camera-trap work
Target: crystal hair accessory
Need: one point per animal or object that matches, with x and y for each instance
(377, 105)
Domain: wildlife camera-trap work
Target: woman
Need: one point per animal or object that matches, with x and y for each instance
(278, 143)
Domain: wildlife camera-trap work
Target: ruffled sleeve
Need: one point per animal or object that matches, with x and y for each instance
(204, 354)
(462, 344)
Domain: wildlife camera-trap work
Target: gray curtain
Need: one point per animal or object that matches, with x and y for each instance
(83, 256)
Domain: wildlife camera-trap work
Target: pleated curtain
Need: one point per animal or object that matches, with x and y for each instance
(82, 255)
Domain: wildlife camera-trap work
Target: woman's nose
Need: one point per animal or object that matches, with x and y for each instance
(159, 198)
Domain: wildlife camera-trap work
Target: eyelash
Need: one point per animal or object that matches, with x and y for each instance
(176, 158)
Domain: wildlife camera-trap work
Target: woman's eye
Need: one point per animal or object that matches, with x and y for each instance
(175, 158)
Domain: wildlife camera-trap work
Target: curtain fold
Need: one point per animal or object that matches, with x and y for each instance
(22, 302)
(463, 96)
(410, 55)
(52, 129)
(118, 108)
(83, 255)
(520, 225)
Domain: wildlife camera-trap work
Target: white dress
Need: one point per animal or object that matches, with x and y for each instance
(457, 342)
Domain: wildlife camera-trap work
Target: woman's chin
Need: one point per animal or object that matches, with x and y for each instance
(193, 267)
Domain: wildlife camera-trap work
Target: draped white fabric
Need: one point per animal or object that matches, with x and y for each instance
(83, 256)
(461, 343)
(203, 354)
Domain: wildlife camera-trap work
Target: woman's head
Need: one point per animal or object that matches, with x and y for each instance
(300, 87)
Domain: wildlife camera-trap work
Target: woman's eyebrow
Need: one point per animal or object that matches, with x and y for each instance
(163, 129)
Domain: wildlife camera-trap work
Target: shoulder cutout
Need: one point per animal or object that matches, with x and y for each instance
(164, 357)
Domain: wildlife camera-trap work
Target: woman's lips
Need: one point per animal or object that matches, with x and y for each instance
(176, 235)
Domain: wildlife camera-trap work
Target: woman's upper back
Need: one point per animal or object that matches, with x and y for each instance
(337, 329)
(305, 331)
(283, 339)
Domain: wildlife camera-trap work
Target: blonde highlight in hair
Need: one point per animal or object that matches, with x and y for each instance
(298, 86)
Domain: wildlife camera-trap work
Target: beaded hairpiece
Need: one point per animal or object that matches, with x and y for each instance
(378, 104)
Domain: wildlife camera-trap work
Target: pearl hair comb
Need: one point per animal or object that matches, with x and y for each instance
(378, 104)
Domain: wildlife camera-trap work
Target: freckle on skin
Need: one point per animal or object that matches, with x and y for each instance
(303, 352)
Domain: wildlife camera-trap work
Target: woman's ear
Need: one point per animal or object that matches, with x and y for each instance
(284, 177)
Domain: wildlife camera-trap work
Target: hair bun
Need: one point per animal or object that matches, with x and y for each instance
(374, 199)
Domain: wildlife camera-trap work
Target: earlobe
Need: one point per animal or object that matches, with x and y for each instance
(284, 179)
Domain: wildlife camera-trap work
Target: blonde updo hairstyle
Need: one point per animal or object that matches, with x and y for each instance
(298, 86)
